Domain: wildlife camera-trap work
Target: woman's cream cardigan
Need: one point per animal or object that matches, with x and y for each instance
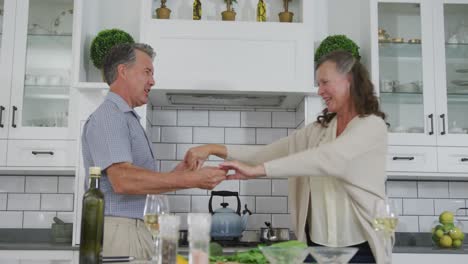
(357, 157)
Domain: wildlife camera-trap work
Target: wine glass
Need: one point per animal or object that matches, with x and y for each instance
(385, 222)
(155, 205)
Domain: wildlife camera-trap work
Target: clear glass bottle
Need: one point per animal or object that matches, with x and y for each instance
(199, 238)
(169, 238)
(92, 220)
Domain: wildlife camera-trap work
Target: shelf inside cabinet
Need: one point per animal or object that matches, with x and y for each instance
(456, 51)
(398, 50)
(401, 98)
(46, 92)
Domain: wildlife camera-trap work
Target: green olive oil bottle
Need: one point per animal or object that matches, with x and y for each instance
(92, 220)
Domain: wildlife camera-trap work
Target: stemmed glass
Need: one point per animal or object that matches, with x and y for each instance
(385, 222)
(155, 205)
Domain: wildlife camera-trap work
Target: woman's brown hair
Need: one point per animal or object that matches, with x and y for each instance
(362, 90)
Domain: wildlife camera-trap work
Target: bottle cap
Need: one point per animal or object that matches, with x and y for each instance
(169, 226)
(199, 226)
(94, 171)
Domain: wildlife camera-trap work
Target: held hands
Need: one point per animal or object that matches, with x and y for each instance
(196, 156)
(208, 177)
(243, 171)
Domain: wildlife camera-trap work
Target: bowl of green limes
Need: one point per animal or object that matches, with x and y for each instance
(447, 233)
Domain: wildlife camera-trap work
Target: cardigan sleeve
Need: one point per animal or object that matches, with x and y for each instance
(333, 158)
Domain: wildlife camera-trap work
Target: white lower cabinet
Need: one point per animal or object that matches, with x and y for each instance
(453, 159)
(41, 153)
(411, 159)
(429, 258)
(3, 152)
(39, 256)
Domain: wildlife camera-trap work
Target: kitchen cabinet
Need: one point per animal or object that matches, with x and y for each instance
(420, 68)
(36, 61)
(245, 57)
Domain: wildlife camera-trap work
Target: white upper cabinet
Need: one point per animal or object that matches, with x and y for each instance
(451, 71)
(242, 56)
(35, 72)
(403, 69)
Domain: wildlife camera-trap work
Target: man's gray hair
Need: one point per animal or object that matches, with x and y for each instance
(123, 54)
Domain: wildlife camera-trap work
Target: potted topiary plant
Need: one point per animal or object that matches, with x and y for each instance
(286, 16)
(163, 12)
(104, 41)
(336, 42)
(229, 14)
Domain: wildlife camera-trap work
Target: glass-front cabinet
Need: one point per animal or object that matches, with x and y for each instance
(405, 70)
(41, 69)
(451, 56)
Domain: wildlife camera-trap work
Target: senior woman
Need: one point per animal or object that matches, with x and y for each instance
(336, 165)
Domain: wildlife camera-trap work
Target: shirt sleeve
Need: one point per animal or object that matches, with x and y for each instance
(332, 158)
(109, 140)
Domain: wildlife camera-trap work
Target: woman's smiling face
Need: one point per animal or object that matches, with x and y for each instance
(334, 87)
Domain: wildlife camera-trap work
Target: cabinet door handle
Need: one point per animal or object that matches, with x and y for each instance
(443, 124)
(13, 119)
(2, 108)
(431, 117)
(464, 159)
(42, 152)
(403, 158)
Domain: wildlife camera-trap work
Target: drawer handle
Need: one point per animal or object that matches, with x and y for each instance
(13, 119)
(403, 158)
(2, 108)
(464, 159)
(43, 153)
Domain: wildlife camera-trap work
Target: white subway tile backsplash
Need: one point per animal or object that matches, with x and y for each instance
(208, 135)
(11, 219)
(281, 220)
(168, 165)
(179, 203)
(38, 219)
(275, 205)
(255, 119)
(228, 185)
(244, 200)
(257, 221)
(279, 187)
(67, 217)
(176, 134)
(418, 206)
(458, 189)
(192, 118)
(23, 201)
(224, 118)
(200, 203)
(448, 205)
(164, 117)
(192, 191)
(40, 184)
(164, 151)
(426, 222)
(12, 184)
(57, 202)
(433, 189)
(284, 119)
(255, 187)
(402, 189)
(155, 134)
(3, 201)
(240, 136)
(269, 135)
(408, 224)
(66, 184)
